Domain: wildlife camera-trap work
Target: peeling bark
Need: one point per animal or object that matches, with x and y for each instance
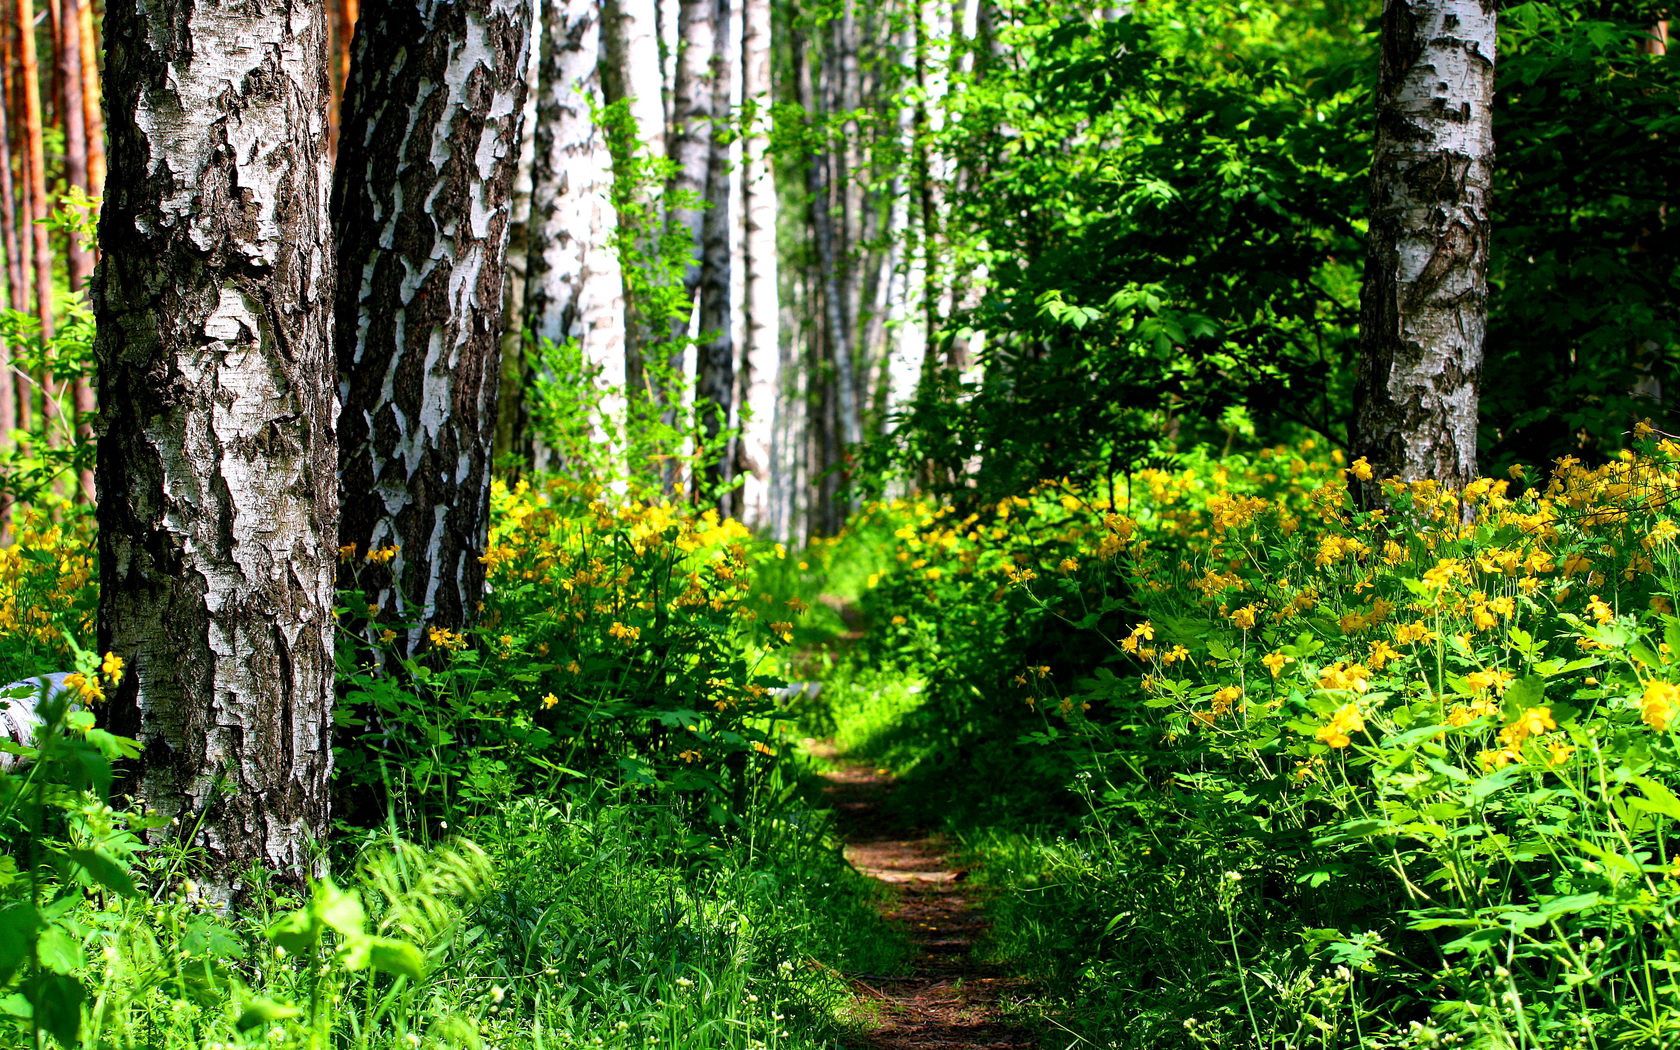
(1424, 302)
(631, 74)
(761, 379)
(574, 289)
(420, 210)
(216, 498)
(714, 387)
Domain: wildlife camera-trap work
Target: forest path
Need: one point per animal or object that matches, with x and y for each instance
(947, 1000)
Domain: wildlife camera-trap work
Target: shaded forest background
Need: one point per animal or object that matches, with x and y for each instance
(799, 248)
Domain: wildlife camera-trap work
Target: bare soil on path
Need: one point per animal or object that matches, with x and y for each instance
(947, 1000)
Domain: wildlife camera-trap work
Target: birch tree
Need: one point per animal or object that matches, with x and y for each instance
(631, 75)
(215, 465)
(714, 389)
(761, 352)
(1424, 302)
(574, 289)
(420, 212)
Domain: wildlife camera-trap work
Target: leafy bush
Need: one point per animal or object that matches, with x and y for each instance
(575, 825)
(1348, 779)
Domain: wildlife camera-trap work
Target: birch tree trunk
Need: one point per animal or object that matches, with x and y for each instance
(685, 195)
(714, 388)
(1424, 302)
(512, 407)
(574, 289)
(631, 74)
(420, 212)
(761, 380)
(691, 131)
(217, 503)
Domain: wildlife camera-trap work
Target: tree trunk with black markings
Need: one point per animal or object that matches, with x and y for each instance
(215, 460)
(574, 289)
(421, 202)
(760, 356)
(1424, 303)
(714, 386)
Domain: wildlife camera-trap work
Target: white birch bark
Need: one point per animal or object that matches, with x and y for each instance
(217, 503)
(575, 289)
(633, 69)
(761, 352)
(1424, 303)
(421, 208)
(631, 74)
(691, 131)
(714, 387)
(906, 315)
(512, 416)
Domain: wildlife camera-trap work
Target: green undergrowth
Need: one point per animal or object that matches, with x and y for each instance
(1237, 764)
(582, 824)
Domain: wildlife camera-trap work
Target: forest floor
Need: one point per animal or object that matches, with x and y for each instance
(949, 999)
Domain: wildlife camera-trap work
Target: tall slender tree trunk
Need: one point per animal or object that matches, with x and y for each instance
(67, 32)
(631, 74)
(420, 213)
(92, 119)
(689, 138)
(714, 389)
(342, 17)
(574, 289)
(14, 265)
(1424, 303)
(512, 407)
(217, 502)
(22, 239)
(691, 133)
(761, 380)
(35, 167)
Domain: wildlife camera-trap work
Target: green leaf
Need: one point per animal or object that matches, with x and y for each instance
(1570, 903)
(102, 870)
(398, 958)
(338, 909)
(59, 951)
(260, 1011)
(57, 1002)
(1658, 798)
(1475, 943)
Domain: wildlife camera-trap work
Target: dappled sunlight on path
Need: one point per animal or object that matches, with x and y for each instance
(948, 1000)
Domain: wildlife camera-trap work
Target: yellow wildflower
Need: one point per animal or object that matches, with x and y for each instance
(1346, 721)
(1660, 704)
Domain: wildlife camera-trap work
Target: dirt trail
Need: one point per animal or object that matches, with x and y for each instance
(947, 1000)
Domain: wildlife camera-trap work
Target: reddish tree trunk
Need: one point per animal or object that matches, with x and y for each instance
(92, 119)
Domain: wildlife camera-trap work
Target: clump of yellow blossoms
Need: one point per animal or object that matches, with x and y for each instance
(1660, 705)
(1344, 722)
